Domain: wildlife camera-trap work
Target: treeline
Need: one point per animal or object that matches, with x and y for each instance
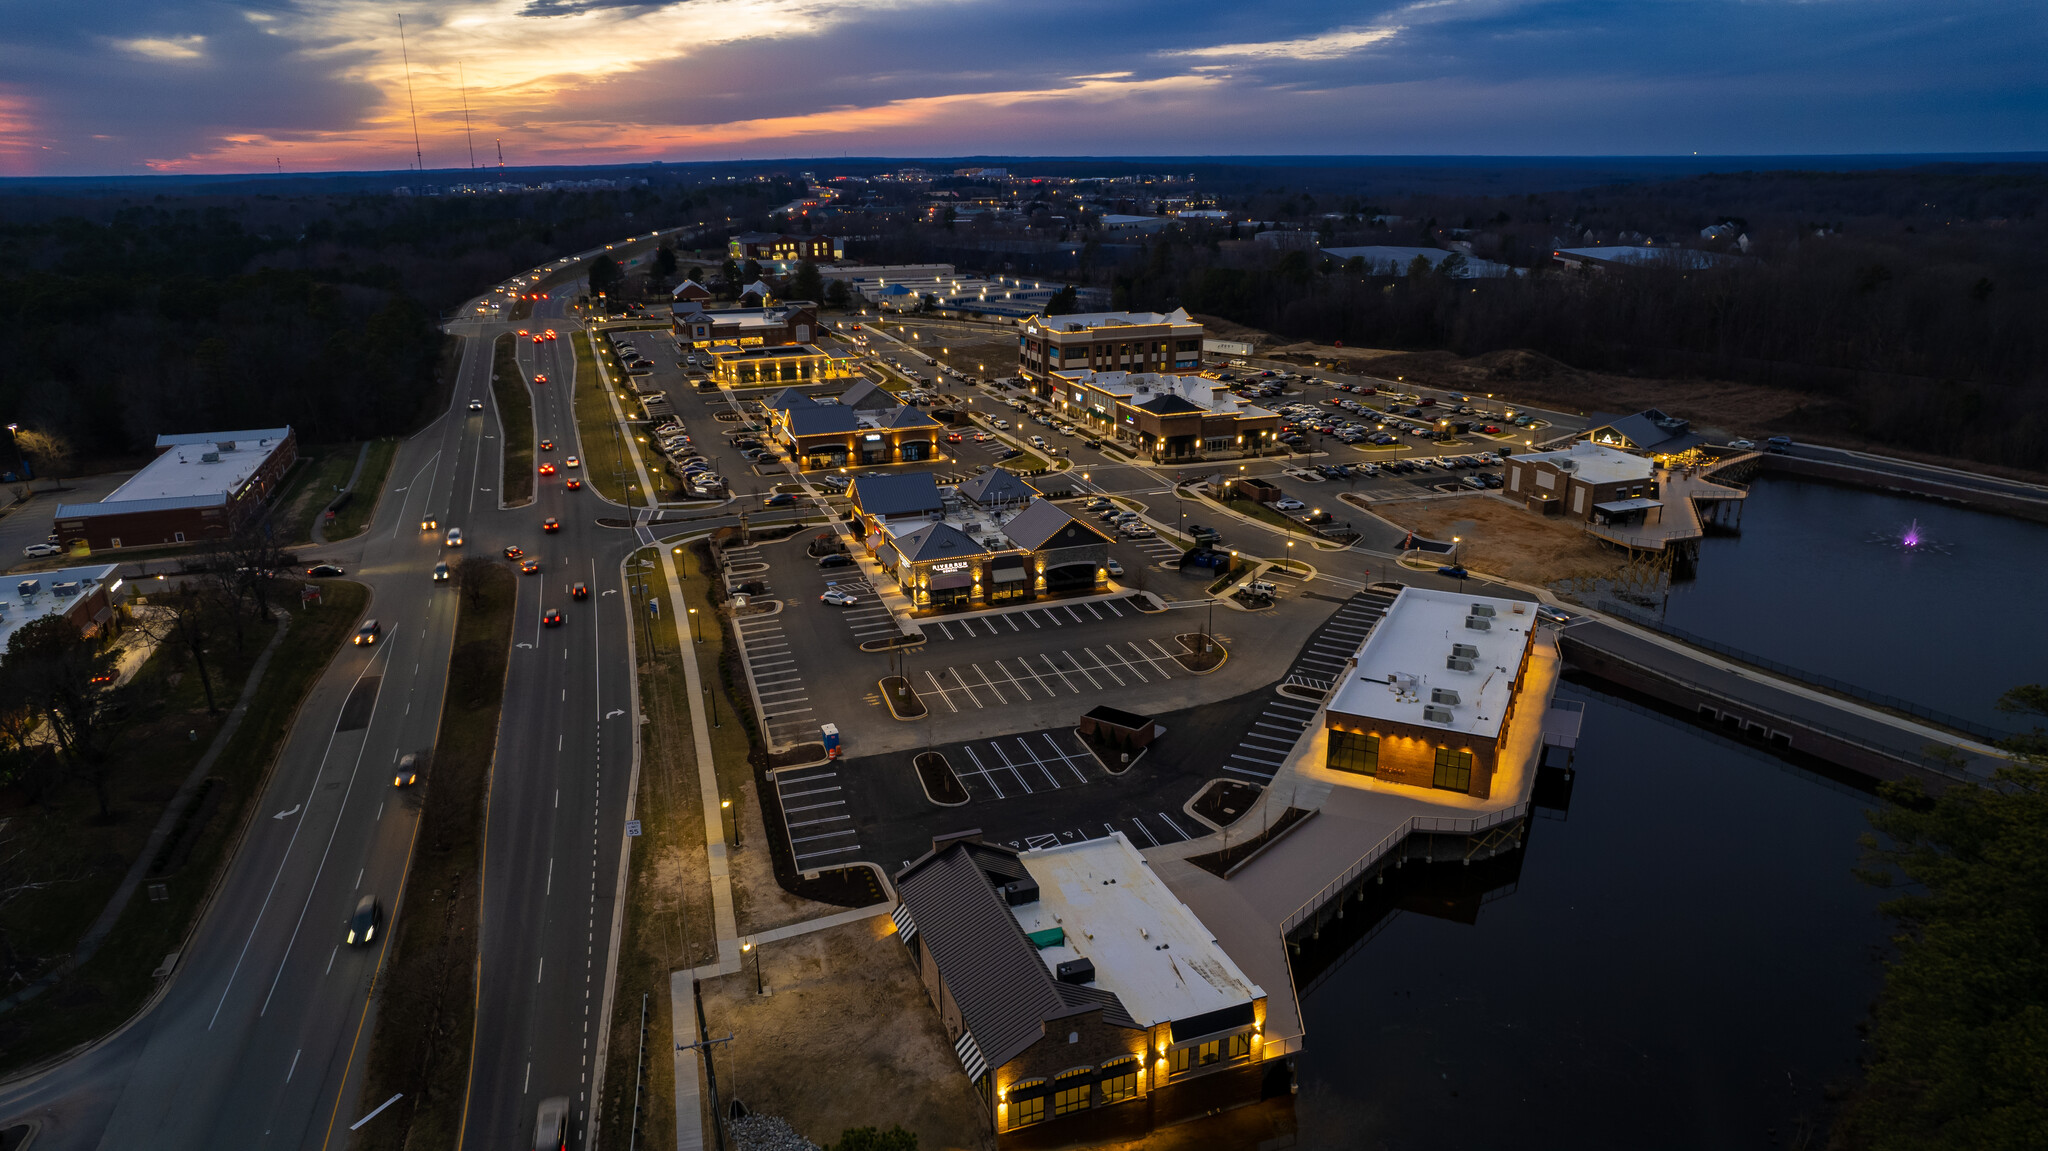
(1914, 323)
(134, 318)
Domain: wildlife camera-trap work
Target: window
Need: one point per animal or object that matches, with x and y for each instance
(1119, 1080)
(1027, 1103)
(1240, 1045)
(1070, 1090)
(1354, 752)
(1453, 769)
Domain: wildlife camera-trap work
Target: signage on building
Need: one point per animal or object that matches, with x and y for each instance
(950, 566)
(872, 437)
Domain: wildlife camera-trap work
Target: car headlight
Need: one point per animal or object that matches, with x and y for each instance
(351, 935)
(368, 933)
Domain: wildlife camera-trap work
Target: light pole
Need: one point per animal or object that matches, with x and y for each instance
(695, 635)
(732, 822)
(748, 945)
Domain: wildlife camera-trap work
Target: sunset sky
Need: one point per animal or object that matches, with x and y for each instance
(189, 86)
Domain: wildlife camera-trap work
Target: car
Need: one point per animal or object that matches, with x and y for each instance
(573, 483)
(547, 445)
(579, 591)
(368, 634)
(524, 332)
(547, 469)
(551, 1125)
(324, 571)
(551, 617)
(551, 333)
(441, 572)
(1744, 445)
(529, 567)
(982, 437)
(1001, 425)
(954, 437)
(408, 770)
(1115, 568)
(1552, 615)
(1489, 429)
(362, 926)
(539, 379)
(429, 523)
(514, 551)
(454, 537)
(1289, 504)
(1453, 571)
(476, 405)
(571, 462)
(551, 524)
(835, 561)
(838, 598)
(35, 550)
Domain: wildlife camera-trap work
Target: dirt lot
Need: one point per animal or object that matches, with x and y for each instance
(1502, 539)
(846, 1038)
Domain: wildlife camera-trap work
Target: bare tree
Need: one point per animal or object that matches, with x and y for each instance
(52, 667)
(189, 618)
(46, 451)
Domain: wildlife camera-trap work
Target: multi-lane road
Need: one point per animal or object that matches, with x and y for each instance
(260, 1035)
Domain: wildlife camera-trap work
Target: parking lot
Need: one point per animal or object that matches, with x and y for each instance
(1278, 726)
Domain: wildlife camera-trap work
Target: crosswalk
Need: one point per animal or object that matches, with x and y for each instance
(815, 816)
(1272, 734)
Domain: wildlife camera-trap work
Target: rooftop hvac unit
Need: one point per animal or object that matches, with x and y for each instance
(64, 588)
(1567, 465)
(226, 445)
(1457, 663)
(1075, 971)
(209, 457)
(1435, 714)
(1464, 651)
(1443, 695)
(1019, 892)
(1485, 609)
(29, 587)
(1478, 623)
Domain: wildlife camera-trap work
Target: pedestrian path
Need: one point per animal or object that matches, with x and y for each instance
(1272, 734)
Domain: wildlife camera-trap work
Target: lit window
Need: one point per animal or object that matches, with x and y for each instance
(1070, 1091)
(1119, 1080)
(1453, 769)
(1354, 752)
(1027, 1103)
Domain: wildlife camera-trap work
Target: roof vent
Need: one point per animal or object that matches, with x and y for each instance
(1478, 623)
(1567, 465)
(1464, 651)
(1443, 695)
(226, 445)
(1075, 971)
(1485, 609)
(29, 587)
(1458, 663)
(209, 457)
(1435, 714)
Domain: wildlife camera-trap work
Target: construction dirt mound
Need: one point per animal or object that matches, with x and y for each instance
(1519, 365)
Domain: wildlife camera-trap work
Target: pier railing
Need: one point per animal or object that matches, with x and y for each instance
(1445, 825)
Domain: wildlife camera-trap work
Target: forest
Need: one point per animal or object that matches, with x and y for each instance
(133, 315)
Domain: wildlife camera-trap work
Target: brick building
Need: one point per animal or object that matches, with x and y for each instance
(85, 595)
(201, 486)
(1085, 1001)
(1587, 481)
(992, 540)
(1106, 342)
(782, 248)
(789, 322)
(1425, 700)
(1162, 415)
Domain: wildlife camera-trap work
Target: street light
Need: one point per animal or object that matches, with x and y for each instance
(732, 822)
(747, 945)
(695, 635)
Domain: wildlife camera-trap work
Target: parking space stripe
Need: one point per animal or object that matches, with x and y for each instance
(1182, 831)
(971, 698)
(1111, 605)
(1011, 620)
(1028, 619)
(1075, 614)
(944, 630)
(822, 835)
(1256, 759)
(1286, 705)
(818, 806)
(1098, 662)
(1149, 840)
(789, 779)
(1092, 681)
(1019, 776)
(819, 820)
(1064, 757)
(813, 791)
(942, 692)
(987, 682)
(1006, 675)
(1091, 610)
(827, 851)
(1247, 771)
(1056, 671)
(1039, 763)
(983, 772)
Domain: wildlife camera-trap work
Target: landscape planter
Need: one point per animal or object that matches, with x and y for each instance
(902, 698)
(1196, 661)
(936, 776)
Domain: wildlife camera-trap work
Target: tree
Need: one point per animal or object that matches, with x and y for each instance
(1064, 302)
(45, 451)
(604, 274)
(1453, 266)
(52, 667)
(837, 295)
(751, 272)
(874, 1139)
(665, 261)
(188, 618)
(1959, 1035)
(807, 284)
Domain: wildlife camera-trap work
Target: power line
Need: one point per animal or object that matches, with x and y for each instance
(464, 82)
(419, 160)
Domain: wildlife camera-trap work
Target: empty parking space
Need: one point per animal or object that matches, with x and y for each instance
(1048, 618)
(816, 817)
(1084, 669)
(1274, 731)
(779, 690)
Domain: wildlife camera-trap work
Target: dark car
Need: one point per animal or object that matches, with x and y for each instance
(362, 926)
(551, 617)
(779, 500)
(514, 551)
(324, 571)
(550, 524)
(836, 561)
(408, 770)
(579, 591)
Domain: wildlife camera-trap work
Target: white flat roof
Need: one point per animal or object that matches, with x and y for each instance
(1596, 463)
(1058, 325)
(1403, 663)
(1143, 387)
(17, 609)
(1147, 946)
(180, 471)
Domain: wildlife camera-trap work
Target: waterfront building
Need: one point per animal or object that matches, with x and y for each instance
(1588, 481)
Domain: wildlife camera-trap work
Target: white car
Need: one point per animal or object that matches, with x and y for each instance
(1115, 568)
(35, 550)
(1289, 504)
(476, 405)
(838, 598)
(1745, 445)
(454, 537)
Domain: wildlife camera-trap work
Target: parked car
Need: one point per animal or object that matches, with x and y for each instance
(34, 551)
(835, 561)
(1114, 568)
(838, 598)
(1289, 504)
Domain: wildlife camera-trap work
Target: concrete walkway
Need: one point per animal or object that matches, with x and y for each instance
(89, 943)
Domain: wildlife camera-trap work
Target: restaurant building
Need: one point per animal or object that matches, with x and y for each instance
(201, 486)
(1107, 342)
(1085, 1001)
(1587, 481)
(990, 541)
(788, 322)
(1164, 416)
(782, 249)
(857, 430)
(1425, 700)
(766, 366)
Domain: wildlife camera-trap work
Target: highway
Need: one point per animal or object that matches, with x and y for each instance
(259, 1037)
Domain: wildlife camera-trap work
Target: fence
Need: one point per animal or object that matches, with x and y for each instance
(1445, 825)
(1891, 702)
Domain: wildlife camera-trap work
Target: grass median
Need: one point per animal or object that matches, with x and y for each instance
(515, 419)
(315, 481)
(426, 1007)
(354, 519)
(79, 861)
(606, 466)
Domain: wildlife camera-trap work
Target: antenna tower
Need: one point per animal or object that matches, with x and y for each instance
(464, 82)
(419, 160)
(501, 153)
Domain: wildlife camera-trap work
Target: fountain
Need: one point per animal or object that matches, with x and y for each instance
(1912, 537)
(1911, 540)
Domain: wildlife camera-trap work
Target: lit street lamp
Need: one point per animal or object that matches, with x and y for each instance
(695, 635)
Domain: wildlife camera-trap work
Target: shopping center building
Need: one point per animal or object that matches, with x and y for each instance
(1165, 416)
(989, 541)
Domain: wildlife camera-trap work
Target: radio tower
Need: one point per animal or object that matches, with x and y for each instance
(403, 54)
(501, 153)
(464, 82)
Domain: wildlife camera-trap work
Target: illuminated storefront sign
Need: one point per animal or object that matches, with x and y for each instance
(950, 566)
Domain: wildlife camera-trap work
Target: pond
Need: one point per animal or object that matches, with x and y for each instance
(1682, 961)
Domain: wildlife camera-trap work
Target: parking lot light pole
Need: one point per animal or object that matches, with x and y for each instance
(696, 636)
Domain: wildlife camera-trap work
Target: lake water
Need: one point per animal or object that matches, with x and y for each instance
(1682, 963)
(1818, 580)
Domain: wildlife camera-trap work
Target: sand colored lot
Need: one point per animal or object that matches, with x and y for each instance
(1500, 538)
(846, 1039)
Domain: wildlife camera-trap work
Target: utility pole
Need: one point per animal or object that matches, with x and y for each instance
(463, 82)
(405, 55)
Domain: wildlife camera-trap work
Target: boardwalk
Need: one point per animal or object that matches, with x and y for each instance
(1683, 493)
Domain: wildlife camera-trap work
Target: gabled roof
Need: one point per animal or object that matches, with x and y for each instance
(870, 395)
(1647, 430)
(908, 417)
(692, 290)
(1170, 406)
(1045, 524)
(822, 419)
(1003, 989)
(789, 398)
(997, 487)
(894, 494)
(937, 541)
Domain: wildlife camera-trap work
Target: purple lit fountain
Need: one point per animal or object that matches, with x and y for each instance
(1912, 537)
(1909, 539)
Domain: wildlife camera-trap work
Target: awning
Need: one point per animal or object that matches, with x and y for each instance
(1010, 575)
(970, 1056)
(904, 924)
(874, 540)
(953, 579)
(1635, 505)
(886, 556)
